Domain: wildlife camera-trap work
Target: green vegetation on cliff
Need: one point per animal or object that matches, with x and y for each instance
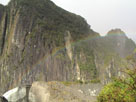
(120, 90)
(51, 20)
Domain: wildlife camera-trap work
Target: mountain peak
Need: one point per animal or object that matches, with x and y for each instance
(116, 32)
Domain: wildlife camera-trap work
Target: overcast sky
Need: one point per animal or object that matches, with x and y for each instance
(103, 15)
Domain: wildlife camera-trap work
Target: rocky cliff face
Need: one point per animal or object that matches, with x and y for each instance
(113, 50)
(42, 42)
(36, 39)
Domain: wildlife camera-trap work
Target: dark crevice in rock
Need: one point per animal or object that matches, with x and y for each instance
(27, 92)
(4, 34)
(3, 99)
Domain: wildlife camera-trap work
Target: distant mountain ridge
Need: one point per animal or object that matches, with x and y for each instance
(116, 32)
(124, 45)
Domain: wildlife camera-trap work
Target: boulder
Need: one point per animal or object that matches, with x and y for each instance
(39, 92)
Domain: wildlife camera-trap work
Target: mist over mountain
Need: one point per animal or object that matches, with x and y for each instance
(40, 41)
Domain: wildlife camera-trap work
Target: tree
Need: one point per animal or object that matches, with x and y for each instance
(121, 89)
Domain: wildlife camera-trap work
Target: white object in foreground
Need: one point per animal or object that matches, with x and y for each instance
(15, 94)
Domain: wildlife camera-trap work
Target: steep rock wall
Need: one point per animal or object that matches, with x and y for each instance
(42, 42)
